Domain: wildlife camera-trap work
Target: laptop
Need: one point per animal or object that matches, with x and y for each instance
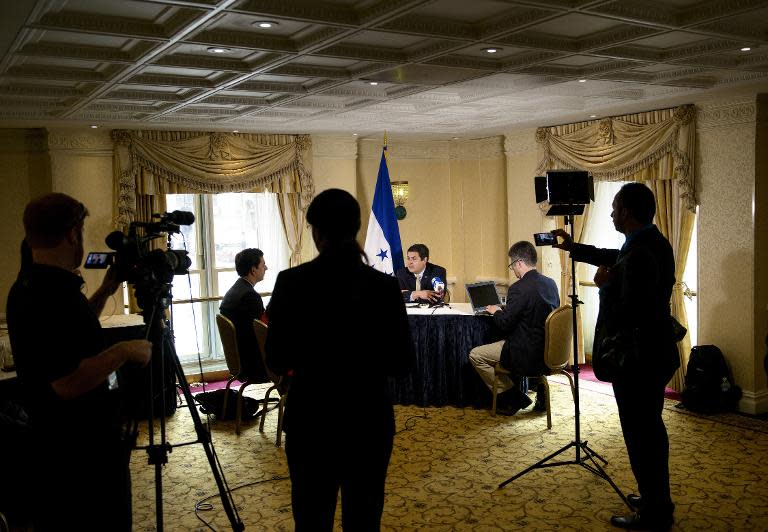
(481, 295)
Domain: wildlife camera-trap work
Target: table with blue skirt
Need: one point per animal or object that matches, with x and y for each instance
(443, 374)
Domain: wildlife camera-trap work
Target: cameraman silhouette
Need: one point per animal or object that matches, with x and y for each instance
(77, 458)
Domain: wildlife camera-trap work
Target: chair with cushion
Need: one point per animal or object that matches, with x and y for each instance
(228, 336)
(278, 383)
(558, 337)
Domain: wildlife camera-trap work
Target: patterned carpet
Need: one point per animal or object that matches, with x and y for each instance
(448, 462)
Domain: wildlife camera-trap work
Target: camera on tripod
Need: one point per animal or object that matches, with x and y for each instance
(134, 261)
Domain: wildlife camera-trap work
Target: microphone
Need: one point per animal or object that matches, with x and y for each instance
(179, 217)
(115, 240)
(438, 285)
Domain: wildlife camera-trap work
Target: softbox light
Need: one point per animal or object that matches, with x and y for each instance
(564, 192)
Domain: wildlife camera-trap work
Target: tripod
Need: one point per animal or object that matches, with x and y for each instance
(160, 334)
(587, 459)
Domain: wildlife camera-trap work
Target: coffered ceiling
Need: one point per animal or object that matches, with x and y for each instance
(407, 66)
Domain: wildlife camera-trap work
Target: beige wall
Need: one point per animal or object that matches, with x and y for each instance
(761, 246)
(726, 277)
(25, 173)
(456, 206)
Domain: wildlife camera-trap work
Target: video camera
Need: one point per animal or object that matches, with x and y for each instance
(148, 269)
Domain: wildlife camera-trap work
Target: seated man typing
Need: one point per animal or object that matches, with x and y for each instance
(242, 304)
(529, 302)
(419, 278)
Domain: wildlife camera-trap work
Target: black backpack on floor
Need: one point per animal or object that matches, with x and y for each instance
(709, 387)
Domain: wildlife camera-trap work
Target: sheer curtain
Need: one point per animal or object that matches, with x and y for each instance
(598, 231)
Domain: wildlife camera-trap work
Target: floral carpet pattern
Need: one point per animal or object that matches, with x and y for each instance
(447, 464)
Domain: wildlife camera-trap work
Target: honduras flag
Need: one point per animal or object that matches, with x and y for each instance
(382, 242)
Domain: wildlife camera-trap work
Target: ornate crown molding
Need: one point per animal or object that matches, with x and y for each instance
(520, 142)
(371, 149)
(334, 147)
(485, 148)
(714, 116)
(80, 142)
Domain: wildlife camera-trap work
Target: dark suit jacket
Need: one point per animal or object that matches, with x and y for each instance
(636, 300)
(242, 304)
(529, 302)
(407, 280)
(338, 348)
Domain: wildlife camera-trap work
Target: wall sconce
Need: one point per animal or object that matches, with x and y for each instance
(400, 195)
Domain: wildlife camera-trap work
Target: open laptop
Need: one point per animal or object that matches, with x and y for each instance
(481, 295)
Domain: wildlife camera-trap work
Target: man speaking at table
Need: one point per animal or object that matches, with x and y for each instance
(529, 302)
(419, 277)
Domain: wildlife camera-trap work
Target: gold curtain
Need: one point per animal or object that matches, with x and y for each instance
(656, 147)
(154, 163)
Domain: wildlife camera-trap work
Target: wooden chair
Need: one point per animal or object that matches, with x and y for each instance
(232, 355)
(260, 329)
(558, 337)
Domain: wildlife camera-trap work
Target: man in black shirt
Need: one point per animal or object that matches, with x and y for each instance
(78, 460)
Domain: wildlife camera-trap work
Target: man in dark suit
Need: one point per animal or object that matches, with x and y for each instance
(635, 287)
(419, 275)
(529, 302)
(242, 304)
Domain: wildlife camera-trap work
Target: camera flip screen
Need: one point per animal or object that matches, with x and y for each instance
(544, 239)
(98, 260)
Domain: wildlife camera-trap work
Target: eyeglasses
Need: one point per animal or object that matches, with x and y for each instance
(511, 264)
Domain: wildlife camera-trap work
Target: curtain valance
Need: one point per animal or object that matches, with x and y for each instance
(160, 162)
(656, 145)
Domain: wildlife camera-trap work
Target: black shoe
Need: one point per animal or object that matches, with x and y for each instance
(638, 521)
(511, 401)
(635, 501)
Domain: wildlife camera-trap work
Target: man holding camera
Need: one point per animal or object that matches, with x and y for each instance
(420, 279)
(635, 288)
(529, 302)
(68, 378)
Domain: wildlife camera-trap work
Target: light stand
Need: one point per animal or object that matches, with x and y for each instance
(587, 459)
(160, 334)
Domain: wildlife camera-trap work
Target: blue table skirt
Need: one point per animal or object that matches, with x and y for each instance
(443, 373)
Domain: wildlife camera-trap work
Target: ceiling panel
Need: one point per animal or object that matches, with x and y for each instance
(149, 62)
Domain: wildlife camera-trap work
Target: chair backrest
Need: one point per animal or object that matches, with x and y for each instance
(228, 337)
(260, 330)
(558, 338)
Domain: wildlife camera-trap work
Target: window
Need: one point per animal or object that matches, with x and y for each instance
(600, 232)
(224, 225)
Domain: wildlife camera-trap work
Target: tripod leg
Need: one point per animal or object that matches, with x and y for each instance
(205, 439)
(539, 464)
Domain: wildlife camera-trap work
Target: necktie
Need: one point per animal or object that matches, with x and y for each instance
(418, 282)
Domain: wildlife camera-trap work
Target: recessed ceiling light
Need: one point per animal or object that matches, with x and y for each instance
(374, 83)
(456, 138)
(266, 24)
(582, 81)
(592, 116)
(746, 49)
(218, 50)
(491, 50)
(235, 131)
(354, 134)
(94, 126)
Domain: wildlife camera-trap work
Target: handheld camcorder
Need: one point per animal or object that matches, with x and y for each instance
(132, 257)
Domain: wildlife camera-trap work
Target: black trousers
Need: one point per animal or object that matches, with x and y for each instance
(321, 464)
(640, 401)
